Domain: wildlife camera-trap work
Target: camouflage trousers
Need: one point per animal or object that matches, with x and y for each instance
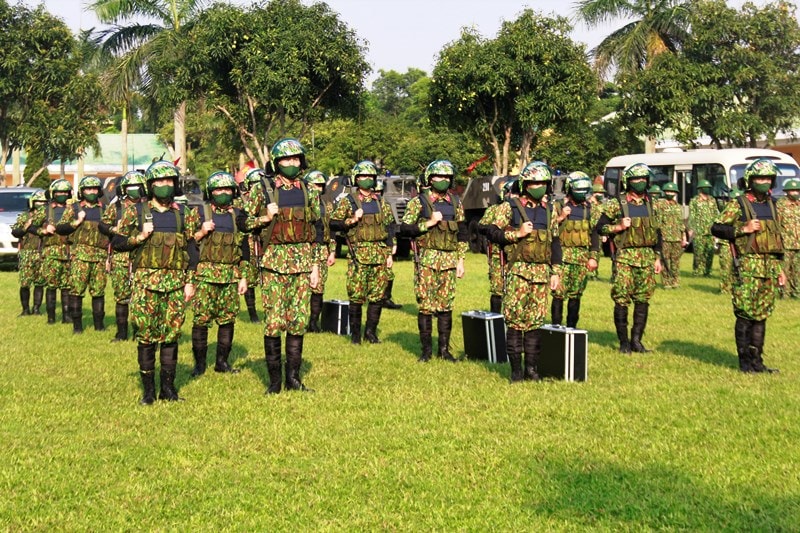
(30, 269)
(703, 255)
(87, 275)
(252, 271)
(574, 278)
(286, 299)
(366, 283)
(525, 303)
(323, 278)
(791, 267)
(121, 278)
(496, 272)
(671, 253)
(157, 316)
(633, 284)
(215, 302)
(55, 273)
(390, 274)
(726, 275)
(435, 290)
(754, 298)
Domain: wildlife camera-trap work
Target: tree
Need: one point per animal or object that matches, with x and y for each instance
(508, 91)
(140, 44)
(735, 78)
(658, 26)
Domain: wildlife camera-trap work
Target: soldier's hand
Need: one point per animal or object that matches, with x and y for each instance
(208, 226)
(555, 281)
(81, 216)
(147, 229)
(626, 223)
(460, 269)
(242, 288)
(331, 259)
(565, 213)
(591, 265)
(358, 214)
(389, 261)
(49, 229)
(314, 276)
(272, 210)
(684, 243)
(657, 268)
(188, 292)
(752, 226)
(436, 217)
(782, 279)
(525, 229)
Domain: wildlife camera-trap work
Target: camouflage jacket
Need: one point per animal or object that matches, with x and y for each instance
(488, 219)
(53, 246)
(435, 259)
(702, 213)
(579, 255)
(753, 265)
(789, 213)
(612, 215)
(110, 223)
(27, 241)
(213, 272)
(670, 220)
(68, 225)
(365, 253)
(154, 279)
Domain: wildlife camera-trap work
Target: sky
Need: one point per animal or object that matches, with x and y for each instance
(399, 34)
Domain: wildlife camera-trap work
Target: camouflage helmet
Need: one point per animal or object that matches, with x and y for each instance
(636, 170)
(703, 184)
(598, 188)
(579, 182)
(316, 177)
(507, 188)
(440, 167)
(535, 171)
(791, 185)
(655, 191)
(221, 180)
(90, 182)
(38, 196)
(253, 176)
(761, 168)
(363, 168)
(735, 193)
(162, 169)
(380, 185)
(59, 185)
(669, 187)
(132, 179)
(288, 147)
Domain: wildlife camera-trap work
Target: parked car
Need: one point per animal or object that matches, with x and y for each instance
(13, 201)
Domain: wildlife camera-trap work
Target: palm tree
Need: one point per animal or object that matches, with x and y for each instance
(654, 27)
(137, 43)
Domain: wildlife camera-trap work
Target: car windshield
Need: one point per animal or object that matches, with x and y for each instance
(14, 201)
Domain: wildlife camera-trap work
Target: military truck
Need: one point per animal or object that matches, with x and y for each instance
(479, 193)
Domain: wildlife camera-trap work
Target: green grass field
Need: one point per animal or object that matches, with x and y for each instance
(677, 439)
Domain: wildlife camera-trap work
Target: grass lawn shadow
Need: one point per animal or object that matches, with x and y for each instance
(702, 352)
(701, 287)
(406, 340)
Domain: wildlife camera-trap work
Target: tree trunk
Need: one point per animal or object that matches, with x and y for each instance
(124, 134)
(506, 147)
(180, 136)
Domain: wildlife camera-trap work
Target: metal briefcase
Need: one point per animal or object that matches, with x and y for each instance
(335, 316)
(484, 336)
(564, 353)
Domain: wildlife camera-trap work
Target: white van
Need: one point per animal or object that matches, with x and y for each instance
(722, 168)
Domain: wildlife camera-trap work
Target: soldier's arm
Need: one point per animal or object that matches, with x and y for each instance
(340, 214)
(108, 220)
(411, 227)
(241, 221)
(607, 225)
(391, 226)
(66, 226)
(19, 228)
(127, 237)
(726, 225)
(191, 221)
(39, 219)
(497, 232)
(314, 200)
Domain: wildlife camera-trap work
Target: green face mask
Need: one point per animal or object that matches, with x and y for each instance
(133, 193)
(536, 192)
(761, 188)
(440, 186)
(163, 192)
(290, 172)
(672, 196)
(61, 198)
(365, 183)
(578, 196)
(794, 195)
(638, 186)
(222, 199)
(90, 197)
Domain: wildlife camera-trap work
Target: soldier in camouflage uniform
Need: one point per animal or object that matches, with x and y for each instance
(580, 247)
(435, 219)
(752, 223)
(388, 302)
(130, 189)
(30, 257)
(250, 201)
(789, 215)
(55, 249)
(632, 223)
(528, 227)
(673, 232)
(286, 221)
(702, 212)
(494, 252)
(89, 250)
(160, 235)
(597, 201)
(220, 278)
(655, 193)
(324, 247)
(727, 278)
(367, 221)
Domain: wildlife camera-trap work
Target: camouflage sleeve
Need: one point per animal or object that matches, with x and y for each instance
(313, 200)
(502, 219)
(411, 226)
(67, 224)
(727, 224)
(463, 233)
(19, 228)
(342, 210)
(611, 212)
(38, 220)
(691, 222)
(388, 216)
(129, 227)
(488, 216)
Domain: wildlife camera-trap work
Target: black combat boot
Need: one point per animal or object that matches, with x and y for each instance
(573, 312)
(25, 298)
(556, 311)
(272, 354)
(224, 345)
(99, 312)
(621, 323)
(354, 316)
(496, 303)
(147, 370)
(637, 329)
(532, 345)
(373, 318)
(169, 362)
(76, 312)
(199, 349)
(741, 332)
(425, 325)
(121, 319)
(66, 316)
(316, 310)
(38, 292)
(444, 325)
(250, 301)
(514, 351)
(758, 333)
(388, 303)
(294, 359)
(50, 305)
